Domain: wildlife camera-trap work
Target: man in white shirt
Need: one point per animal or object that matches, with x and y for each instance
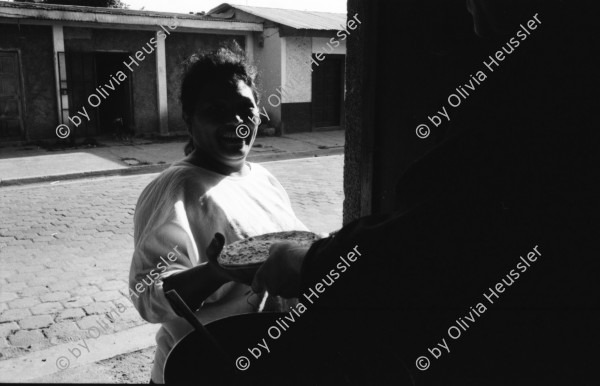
(213, 190)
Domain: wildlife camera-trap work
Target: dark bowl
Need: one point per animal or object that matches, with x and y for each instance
(293, 358)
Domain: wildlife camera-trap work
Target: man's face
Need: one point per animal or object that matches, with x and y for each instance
(224, 107)
(495, 18)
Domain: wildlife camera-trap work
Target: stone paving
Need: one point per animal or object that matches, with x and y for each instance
(65, 250)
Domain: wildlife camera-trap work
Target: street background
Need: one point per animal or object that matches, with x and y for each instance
(65, 252)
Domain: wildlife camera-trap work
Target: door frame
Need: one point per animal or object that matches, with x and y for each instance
(73, 107)
(130, 79)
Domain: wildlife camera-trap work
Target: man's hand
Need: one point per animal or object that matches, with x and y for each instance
(280, 273)
(194, 285)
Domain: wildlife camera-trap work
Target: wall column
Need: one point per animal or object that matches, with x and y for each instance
(161, 86)
(283, 66)
(361, 111)
(250, 46)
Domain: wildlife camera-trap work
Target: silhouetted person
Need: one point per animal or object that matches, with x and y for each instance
(514, 200)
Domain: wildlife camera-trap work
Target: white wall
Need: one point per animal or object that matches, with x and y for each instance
(268, 61)
(297, 77)
(284, 65)
(296, 71)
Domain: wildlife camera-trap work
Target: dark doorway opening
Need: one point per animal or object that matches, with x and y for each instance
(92, 73)
(114, 114)
(328, 93)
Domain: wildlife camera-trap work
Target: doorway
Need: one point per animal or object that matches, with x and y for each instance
(87, 71)
(11, 123)
(328, 93)
(114, 114)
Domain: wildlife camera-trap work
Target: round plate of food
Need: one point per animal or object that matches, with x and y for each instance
(241, 259)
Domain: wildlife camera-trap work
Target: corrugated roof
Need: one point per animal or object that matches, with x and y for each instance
(101, 10)
(291, 17)
(116, 16)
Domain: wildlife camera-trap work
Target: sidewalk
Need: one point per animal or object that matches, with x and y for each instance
(29, 164)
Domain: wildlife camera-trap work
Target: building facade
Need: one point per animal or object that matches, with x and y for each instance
(98, 70)
(300, 56)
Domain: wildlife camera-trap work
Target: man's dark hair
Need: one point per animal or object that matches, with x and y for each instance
(225, 64)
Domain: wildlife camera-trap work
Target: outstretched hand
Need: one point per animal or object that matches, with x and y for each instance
(280, 273)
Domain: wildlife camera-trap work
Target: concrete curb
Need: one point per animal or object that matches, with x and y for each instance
(97, 173)
(157, 168)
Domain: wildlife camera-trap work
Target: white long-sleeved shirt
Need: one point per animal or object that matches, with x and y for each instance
(176, 218)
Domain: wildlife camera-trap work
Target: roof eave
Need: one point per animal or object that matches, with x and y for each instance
(110, 18)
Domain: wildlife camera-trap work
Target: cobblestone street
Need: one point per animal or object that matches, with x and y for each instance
(65, 249)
